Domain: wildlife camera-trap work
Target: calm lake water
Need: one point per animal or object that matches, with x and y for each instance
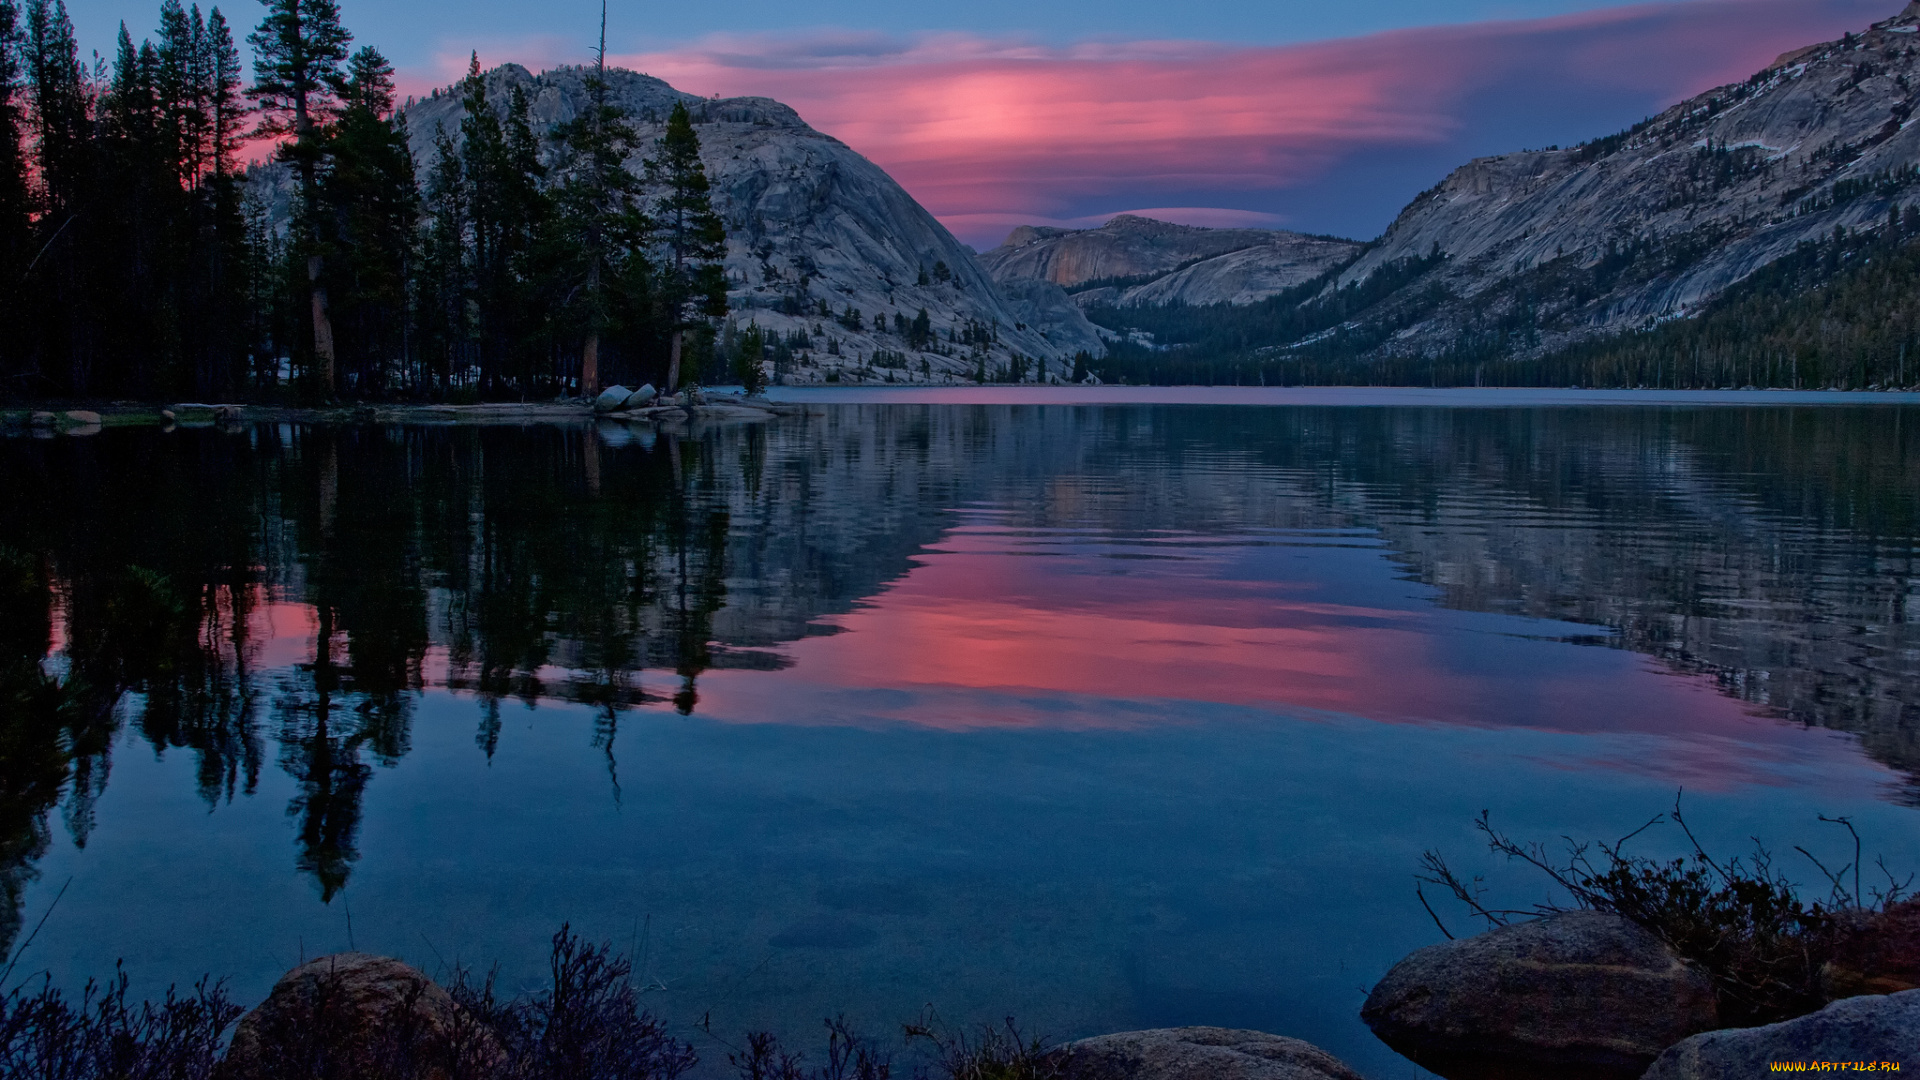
(1098, 715)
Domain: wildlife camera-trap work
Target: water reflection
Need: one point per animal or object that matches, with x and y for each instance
(219, 591)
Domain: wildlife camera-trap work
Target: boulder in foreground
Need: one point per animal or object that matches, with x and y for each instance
(354, 1014)
(611, 399)
(1582, 995)
(1201, 1053)
(1873, 1030)
(1879, 953)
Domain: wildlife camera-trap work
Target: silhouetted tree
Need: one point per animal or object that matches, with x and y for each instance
(298, 82)
(370, 206)
(693, 283)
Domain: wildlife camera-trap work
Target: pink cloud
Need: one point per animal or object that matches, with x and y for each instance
(986, 131)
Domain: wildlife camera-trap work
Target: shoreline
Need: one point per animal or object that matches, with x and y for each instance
(82, 417)
(86, 418)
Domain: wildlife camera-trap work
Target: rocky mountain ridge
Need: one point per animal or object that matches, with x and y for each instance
(1134, 260)
(1544, 248)
(824, 249)
(822, 245)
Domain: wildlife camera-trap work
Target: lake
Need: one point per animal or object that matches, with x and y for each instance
(1100, 712)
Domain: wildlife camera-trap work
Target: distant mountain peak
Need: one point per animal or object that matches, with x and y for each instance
(1134, 259)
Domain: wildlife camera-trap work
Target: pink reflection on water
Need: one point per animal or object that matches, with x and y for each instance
(979, 637)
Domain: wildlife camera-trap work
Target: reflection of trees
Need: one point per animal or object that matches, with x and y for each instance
(35, 712)
(320, 743)
(535, 578)
(1770, 548)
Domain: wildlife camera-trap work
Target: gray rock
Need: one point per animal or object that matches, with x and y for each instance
(612, 399)
(1047, 307)
(355, 1014)
(44, 419)
(1861, 1029)
(83, 416)
(1201, 1053)
(640, 398)
(808, 221)
(1581, 996)
(1166, 263)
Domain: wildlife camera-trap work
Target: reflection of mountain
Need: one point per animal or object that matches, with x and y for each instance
(1773, 549)
(305, 586)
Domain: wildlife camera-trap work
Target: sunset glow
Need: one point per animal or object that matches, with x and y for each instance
(992, 133)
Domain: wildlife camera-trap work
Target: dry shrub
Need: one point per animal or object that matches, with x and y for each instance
(1740, 919)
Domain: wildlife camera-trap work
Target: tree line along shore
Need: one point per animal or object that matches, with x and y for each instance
(138, 260)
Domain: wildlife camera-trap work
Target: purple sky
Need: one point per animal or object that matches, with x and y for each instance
(1311, 114)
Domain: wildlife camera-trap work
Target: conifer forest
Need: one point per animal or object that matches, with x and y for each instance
(139, 257)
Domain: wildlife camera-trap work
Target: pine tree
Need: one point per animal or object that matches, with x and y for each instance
(693, 281)
(506, 207)
(298, 49)
(369, 201)
(442, 284)
(64, 165)
(223, 320)
(181, 86)
(226, 108)
(137, 238)
(16, 221)
(601, 217)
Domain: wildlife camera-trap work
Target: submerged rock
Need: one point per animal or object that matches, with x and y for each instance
(1874, 1029)
(1580, 996)
(354, 1014)
(1201, 1053)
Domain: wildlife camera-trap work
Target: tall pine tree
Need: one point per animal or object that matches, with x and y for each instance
(16, 212)
(693, 284)
(601, 217)
(66, 168)
(298, 82)
(368, 198)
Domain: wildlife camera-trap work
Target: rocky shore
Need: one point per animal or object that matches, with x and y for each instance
(1576, 995)
(1587, 995)
(96, 417)
(1579, 995)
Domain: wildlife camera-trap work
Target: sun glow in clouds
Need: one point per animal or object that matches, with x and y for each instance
(991, 132)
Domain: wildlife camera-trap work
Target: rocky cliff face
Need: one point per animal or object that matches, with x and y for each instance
(812, 223)
(1654, 222)
(1137, 260)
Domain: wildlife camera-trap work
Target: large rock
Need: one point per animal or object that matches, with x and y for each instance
(611, 399)
(354, 1014)
(640, 398)
(1862, 1029)
(1201, 1053)
(1878, 954)
(1580, 996)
